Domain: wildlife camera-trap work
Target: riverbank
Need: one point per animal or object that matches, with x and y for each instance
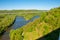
(6, 22)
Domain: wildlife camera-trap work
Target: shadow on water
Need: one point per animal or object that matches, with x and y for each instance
(19, 22)
(54, 35)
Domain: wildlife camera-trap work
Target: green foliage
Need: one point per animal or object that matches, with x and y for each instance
(16, 34)
(48, 22)
(6, 20)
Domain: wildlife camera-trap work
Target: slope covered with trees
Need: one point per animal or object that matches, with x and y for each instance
(48, 22)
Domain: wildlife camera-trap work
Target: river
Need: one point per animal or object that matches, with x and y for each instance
(19, 22)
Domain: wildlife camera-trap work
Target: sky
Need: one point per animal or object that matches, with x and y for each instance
(28, 4)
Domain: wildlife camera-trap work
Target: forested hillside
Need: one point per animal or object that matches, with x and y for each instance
(46, 23)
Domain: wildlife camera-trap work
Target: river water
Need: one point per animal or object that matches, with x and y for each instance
(19, 22)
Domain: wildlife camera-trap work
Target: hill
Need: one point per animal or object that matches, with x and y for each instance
(48, 22)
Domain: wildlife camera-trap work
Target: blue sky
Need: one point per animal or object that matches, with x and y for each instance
(28, 4)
